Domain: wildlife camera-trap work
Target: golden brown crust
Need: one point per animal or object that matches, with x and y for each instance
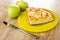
(38, 16)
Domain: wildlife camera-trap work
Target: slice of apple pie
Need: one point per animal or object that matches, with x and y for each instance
(38, 16)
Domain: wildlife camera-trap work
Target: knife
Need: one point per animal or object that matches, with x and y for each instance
(21, 30)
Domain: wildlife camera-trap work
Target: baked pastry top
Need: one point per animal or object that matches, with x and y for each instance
(38, 16)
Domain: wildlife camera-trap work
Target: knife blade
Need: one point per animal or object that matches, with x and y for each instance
(21, 30)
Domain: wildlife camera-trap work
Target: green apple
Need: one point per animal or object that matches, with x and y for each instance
(13, 11)
(22, 5)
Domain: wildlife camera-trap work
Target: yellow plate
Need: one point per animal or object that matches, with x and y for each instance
(24, 23)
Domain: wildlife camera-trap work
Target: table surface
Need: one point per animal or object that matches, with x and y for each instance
(7, 33)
